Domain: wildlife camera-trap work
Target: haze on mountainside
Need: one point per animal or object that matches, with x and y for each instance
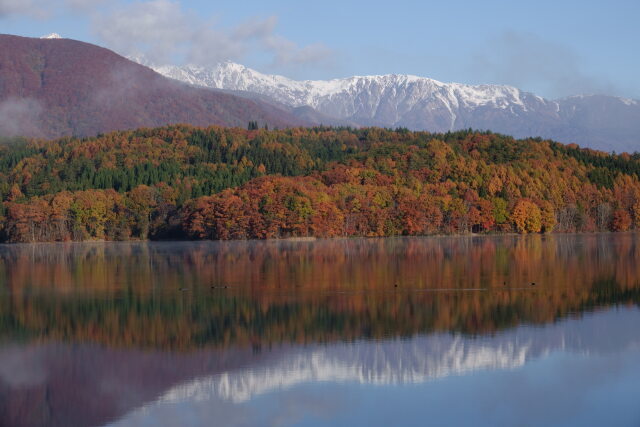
(55, 87)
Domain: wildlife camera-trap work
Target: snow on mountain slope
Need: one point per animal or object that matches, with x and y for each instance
(52, 36)
(385, 99)
(420, 103)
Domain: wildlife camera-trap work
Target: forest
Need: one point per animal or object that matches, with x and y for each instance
(185, 182)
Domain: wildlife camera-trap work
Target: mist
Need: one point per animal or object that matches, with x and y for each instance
(20, 117)
(544, 67)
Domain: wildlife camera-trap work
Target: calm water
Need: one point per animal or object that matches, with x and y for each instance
(538, 330)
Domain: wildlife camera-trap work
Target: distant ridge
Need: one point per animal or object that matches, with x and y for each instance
(53, 87)
(419, 103)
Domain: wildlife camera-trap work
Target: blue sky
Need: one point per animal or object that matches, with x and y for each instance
(553, 48)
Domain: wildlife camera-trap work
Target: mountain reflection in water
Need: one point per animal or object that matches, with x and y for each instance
(154, 333)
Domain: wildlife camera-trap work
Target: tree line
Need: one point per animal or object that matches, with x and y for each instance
(229, 183)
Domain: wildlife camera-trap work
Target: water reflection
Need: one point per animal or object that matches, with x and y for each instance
(70, 384)
(148, 333)
(415, 360)
(602, 339)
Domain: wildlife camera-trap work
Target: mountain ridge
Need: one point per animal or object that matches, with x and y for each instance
(55, 87)
(422, 103)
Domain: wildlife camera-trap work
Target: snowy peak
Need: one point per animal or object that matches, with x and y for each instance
(382, 100)
(420, 103)
(52, 36)
(232, 76)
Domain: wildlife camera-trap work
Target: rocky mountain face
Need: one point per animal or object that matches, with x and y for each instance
(55, 87)
(603, 122)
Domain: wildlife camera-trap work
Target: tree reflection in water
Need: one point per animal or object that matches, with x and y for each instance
(93, 331)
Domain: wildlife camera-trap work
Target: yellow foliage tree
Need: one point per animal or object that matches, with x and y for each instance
(527, 217)
(548, 217)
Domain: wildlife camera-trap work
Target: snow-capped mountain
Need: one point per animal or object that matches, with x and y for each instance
(389, 100)
(421, 103)
(52, 36)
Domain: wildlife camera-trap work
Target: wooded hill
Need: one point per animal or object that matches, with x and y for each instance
(229, 183)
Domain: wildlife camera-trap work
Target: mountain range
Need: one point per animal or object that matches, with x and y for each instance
(418, 103)
(54, 87)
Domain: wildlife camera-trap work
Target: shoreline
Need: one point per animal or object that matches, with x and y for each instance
(320, 239)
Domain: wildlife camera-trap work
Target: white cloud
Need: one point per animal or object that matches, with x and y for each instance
(158, 29)
(164, 32)
(18, 115)
(42, 9)
(256, 28)
(525, 60)
(84, 4)
(31, 8)
(288, 53)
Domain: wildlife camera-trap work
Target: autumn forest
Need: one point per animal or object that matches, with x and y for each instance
(183, 182)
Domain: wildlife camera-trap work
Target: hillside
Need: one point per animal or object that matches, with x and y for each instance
(58, 87)
(602, 122)
(230, 183)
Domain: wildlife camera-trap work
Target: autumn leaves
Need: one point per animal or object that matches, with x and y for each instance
(222, 183)
(528, 217)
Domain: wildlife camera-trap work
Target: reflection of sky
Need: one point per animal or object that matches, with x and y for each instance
(575, 372)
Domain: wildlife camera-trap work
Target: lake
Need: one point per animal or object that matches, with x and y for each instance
(495, 331)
